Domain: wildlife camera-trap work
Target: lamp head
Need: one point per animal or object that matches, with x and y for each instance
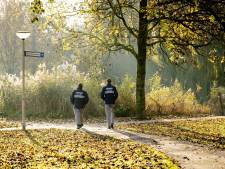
(23, 34)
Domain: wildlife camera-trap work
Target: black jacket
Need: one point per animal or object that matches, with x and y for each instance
(79, 98)
(109, 94)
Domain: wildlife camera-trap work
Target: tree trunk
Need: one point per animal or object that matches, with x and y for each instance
(219, 74)
(140, 88)
(141, 60)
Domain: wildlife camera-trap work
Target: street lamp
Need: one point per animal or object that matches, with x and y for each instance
(23, 35)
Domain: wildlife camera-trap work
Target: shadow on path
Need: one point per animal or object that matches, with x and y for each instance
(137, 137)
(121, 134)
(94, 134)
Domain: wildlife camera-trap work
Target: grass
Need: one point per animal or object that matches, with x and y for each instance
(206, 132)
(7, 124)
(54, 148)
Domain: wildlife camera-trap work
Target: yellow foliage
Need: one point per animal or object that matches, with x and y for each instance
(174, 100)
(207, 132)
(76, 149)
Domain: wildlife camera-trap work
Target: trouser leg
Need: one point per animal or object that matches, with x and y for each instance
(112, 115)
(81, 116)
(109, 115)
(74, 111)
(77, 116)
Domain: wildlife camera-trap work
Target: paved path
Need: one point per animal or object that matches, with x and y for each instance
(189, 155)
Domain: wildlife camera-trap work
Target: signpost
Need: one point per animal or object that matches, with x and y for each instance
(34, 54)
(221, 98)
(24, 35)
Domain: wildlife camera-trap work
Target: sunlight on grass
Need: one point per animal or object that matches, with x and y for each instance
(8, 124)
(208, 132)
(65, 149)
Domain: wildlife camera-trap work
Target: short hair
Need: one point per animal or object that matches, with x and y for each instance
(80, 86)
(109, 80)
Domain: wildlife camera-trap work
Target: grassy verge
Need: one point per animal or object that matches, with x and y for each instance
(207, 132)
(55, 148)
(7, 124)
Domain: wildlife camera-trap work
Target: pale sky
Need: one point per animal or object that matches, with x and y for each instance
(77, 20)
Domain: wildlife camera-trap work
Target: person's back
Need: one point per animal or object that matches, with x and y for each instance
(79, 99)
(109, 94)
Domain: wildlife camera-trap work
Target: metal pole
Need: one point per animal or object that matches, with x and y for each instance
(23, 88)
(221, 103)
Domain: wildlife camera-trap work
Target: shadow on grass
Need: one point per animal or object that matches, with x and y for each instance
(28, 134)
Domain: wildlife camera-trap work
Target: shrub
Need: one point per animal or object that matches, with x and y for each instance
(10, 95)
(153, 83)
(214, 102)
(95, 106)
(174, 100)
(126, 100)
(47, 92)
(48, 95)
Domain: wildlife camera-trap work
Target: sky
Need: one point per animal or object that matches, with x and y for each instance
(72, 5)
(75, 20)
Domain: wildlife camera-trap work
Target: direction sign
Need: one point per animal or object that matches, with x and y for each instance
(34, 54)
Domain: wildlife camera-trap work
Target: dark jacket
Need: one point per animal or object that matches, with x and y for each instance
(109, 94)
(79, 98)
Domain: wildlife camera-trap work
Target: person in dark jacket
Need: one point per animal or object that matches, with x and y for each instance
(109, 94)
(79, 99)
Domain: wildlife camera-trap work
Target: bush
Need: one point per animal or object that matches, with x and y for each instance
(214, 102)
(173, 100)
(123, 111)
(95, 106)
(47, 92)
(10, 95)
(125, 105)
(48, 95)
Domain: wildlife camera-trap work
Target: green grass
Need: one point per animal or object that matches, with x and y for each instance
(54, 148)
(206, 132)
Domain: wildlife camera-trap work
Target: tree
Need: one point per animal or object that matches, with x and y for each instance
(180, 28)
(10, 18)
(14, 17)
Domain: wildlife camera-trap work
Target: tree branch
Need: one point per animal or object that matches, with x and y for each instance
(121, 17)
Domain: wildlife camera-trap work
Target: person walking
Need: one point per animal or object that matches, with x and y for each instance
(79, 99)
(109, 94)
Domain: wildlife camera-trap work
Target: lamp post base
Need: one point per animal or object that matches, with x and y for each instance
(23, 127)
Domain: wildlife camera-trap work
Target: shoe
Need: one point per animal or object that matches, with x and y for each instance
(79, 126)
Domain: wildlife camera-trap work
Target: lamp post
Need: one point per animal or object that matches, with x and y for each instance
(23, 35)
